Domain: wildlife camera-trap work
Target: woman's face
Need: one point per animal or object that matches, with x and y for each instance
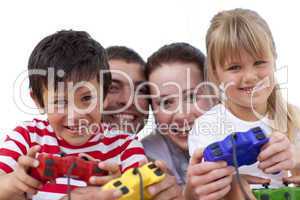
(177, 99)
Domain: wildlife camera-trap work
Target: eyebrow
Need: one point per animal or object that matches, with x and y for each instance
(183, 92)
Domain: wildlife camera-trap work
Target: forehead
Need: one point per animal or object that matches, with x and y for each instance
(69, 87)
(122, 71)
(175, 77)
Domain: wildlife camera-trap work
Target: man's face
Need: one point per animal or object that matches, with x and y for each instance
(127, 107)
(74, 112)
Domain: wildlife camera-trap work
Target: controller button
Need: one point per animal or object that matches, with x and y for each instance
(256, 130)
(287, 196)
(117, 183)
(49, 162)
(97, 170)
(260, 136)
(48, 172)
(124, 190)
(158, 172)
(214, 146)
(152, 166)
(217, 152)
(84, 158)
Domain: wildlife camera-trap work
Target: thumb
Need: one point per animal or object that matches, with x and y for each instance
(256, 180)
(163, 166)
(197, 156)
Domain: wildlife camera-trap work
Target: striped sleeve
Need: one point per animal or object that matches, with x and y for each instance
(132, 154)
(15, 144)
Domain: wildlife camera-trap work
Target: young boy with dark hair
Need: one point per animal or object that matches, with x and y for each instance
(69, 78)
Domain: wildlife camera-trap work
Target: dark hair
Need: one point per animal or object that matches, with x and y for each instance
(124, 53)
(78, 55)
(175, 52)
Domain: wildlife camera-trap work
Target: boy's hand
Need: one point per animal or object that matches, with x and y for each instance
(207, 180)
(93, 193)
(112, 168)
(277, 154)
(168, 188)
(19, 179)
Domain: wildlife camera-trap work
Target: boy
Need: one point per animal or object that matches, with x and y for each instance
(68, 75)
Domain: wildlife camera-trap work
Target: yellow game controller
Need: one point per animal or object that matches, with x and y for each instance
(130, 185)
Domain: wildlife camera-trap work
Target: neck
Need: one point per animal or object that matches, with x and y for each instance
(247, 113)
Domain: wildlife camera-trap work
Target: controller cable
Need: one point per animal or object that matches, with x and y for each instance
(69, 172)
(137, 171)
(235, 163)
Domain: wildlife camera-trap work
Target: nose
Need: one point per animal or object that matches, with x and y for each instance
(125, 97)
(183, 116)
(250, 75)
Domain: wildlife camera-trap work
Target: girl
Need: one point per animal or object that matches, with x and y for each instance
(241, 59)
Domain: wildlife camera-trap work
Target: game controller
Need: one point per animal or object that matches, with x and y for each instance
(285, 193)
(129, 183)
(53, 166)
(247, 144)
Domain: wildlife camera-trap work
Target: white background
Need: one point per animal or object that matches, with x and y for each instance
(142, 25)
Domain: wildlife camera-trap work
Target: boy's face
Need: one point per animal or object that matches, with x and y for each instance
(74, 111)
(127, 108)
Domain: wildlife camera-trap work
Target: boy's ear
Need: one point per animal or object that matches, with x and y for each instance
(33, 97)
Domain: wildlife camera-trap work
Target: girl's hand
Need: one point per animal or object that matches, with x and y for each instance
(207, 180)
(112, 168)
(277, 154)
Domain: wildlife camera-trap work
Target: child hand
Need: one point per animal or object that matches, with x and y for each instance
(292, 179)
(112, 168)
(93, 193)
(168, 188)
(19, 179)
(207, 180)
(276, 154)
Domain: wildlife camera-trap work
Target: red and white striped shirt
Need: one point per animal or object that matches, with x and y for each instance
(109, 145)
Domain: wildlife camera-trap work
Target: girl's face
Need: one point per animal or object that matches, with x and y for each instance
(175, 102)
(247, 81)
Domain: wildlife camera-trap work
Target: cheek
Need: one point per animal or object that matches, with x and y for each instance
(162, 118)
(56, 120)
(142, 104)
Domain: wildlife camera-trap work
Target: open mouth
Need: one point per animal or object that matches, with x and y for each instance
(247, 90)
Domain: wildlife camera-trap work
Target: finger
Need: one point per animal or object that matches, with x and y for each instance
(33, 151)
(256, 180)
(196, 157)
(273, 149)
(275, 159)
(28, 180)
(24, 188)
(112, 168)
(205, 167)
(88, 157)
(213, 176)
(284, 165)
(27, 162)
(218, 194)
(169, 193)
(168, 182)
(100, 180)
(214, 186)
(163, 166)
(292, 179)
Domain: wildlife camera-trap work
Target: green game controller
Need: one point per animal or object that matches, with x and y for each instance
(285, 193)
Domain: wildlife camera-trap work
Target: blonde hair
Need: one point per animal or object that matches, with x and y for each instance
(241, 29)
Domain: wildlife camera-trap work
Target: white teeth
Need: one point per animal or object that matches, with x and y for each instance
(126, 117)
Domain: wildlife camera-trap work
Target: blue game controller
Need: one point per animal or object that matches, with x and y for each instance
(247, 144)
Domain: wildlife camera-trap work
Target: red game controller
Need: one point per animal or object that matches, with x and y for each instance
(53, 166)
